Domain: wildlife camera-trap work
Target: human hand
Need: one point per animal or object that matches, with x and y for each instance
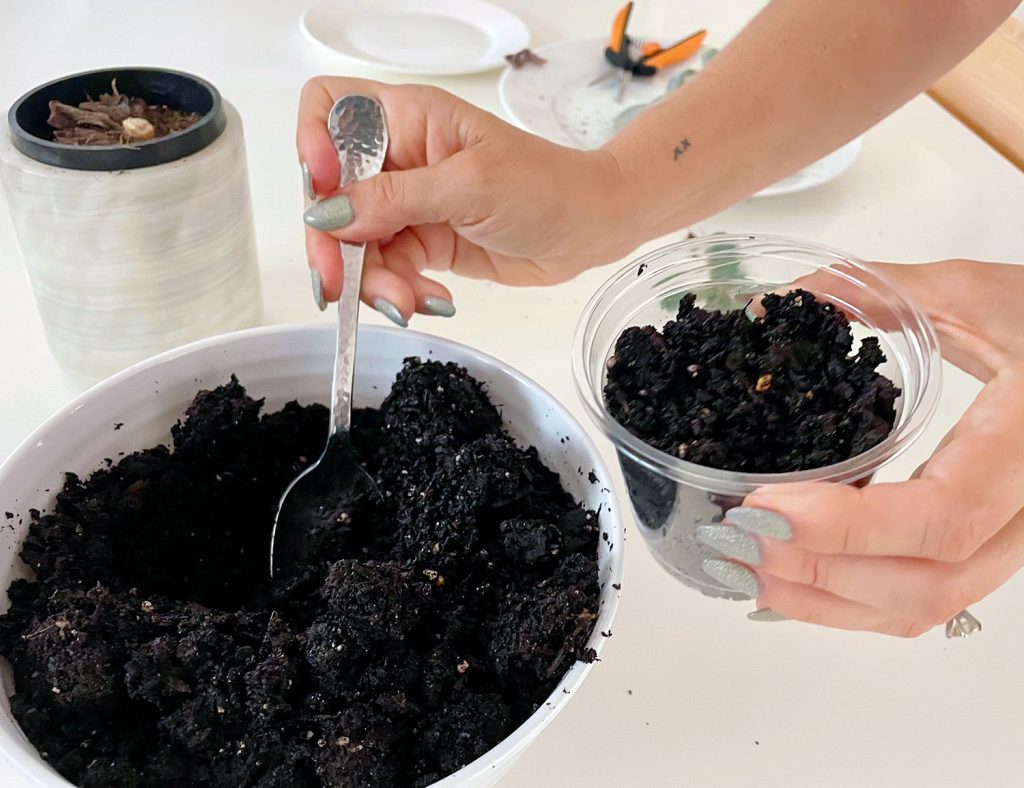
(461, 190)
(902, 558)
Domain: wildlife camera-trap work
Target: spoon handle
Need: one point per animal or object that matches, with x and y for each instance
(359, 132)
(348, 322)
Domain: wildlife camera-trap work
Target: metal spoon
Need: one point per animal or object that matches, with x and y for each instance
(360, 134)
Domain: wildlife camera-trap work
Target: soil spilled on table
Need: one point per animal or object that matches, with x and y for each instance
(782, 392)
(115, 119)
(152, 651)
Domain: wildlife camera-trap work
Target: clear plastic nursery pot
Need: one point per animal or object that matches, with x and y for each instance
(671, 497)
(132, 249)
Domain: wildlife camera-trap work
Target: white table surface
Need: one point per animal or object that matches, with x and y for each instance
(689, 692)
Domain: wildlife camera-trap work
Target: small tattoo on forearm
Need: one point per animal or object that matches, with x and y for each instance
(680, 149)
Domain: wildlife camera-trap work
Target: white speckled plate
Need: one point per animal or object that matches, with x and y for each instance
(417, 36)
(556, 101)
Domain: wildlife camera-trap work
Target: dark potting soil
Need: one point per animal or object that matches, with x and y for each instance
(152, 651)
(114, 119)
(782, 392)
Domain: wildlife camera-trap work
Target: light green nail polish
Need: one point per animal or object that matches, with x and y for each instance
(318, 289)
(760, 521)
(328, 214)
(730, 542)
(307, 182)
(390, 311)
(439, 306)
(766, 614)
(732, 576)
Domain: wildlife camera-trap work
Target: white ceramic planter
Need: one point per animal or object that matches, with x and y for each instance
(131, 261)
(284, 363)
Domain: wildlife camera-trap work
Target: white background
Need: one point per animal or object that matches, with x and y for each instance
(690, 692)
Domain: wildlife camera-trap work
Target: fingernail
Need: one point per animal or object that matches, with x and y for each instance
(390, 311)
(318, 289)
(307, 182)
(441, 307)
(331, 213)
(766, 614)
(732, 576)
(730, 542)
(760, 521)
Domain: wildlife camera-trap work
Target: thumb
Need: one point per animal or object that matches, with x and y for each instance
(387, 203)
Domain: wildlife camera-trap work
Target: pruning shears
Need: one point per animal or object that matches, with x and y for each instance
(634, 58)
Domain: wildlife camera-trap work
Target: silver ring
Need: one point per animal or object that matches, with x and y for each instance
(307, 183)
(962, 624)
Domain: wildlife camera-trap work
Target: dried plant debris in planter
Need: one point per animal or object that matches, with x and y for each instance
(782, 392)
(152, 651)
(519, 59)
(115, 119)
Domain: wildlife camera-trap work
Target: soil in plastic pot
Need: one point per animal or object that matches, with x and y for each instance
(778, 393)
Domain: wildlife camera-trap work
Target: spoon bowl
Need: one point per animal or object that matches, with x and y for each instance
(359, 132)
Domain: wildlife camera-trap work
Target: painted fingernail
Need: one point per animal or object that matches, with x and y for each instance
(441, 307)
(307, 182)
(730, 542)
(390, 311)
(760, 521)
(732, 576)
(766, 614)
(328, 214)
(318, 289)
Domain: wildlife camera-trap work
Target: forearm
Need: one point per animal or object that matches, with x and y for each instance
(801, 79)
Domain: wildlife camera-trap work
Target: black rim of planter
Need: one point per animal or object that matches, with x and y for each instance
(34, 137)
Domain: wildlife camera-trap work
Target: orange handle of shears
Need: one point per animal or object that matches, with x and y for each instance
(678, 52)
(618, 39)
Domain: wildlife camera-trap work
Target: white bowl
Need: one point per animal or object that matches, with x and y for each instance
(283, 363)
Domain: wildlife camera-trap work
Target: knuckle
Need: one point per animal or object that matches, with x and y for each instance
(849, 541)
(426, 93)
(958, 537)
(950, 546)
(475, 169)
(812, 615)
(816, 571)
(850, 534)
(951, 531)
(387, 192)
(938, 607)
(314, 84)
(950, 597)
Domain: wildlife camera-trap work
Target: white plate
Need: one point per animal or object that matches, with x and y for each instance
(556, 101)
(417, 36)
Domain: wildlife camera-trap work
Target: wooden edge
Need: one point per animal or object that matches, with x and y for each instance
(986, 91)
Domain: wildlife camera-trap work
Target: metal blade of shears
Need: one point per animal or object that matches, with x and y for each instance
(602, 77)
(620, 84)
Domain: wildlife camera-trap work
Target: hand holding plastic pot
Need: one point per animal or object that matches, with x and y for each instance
(135, 247)
(894, 558)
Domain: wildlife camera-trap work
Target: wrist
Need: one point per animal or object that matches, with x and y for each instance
(660, 194)
(621, 216)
